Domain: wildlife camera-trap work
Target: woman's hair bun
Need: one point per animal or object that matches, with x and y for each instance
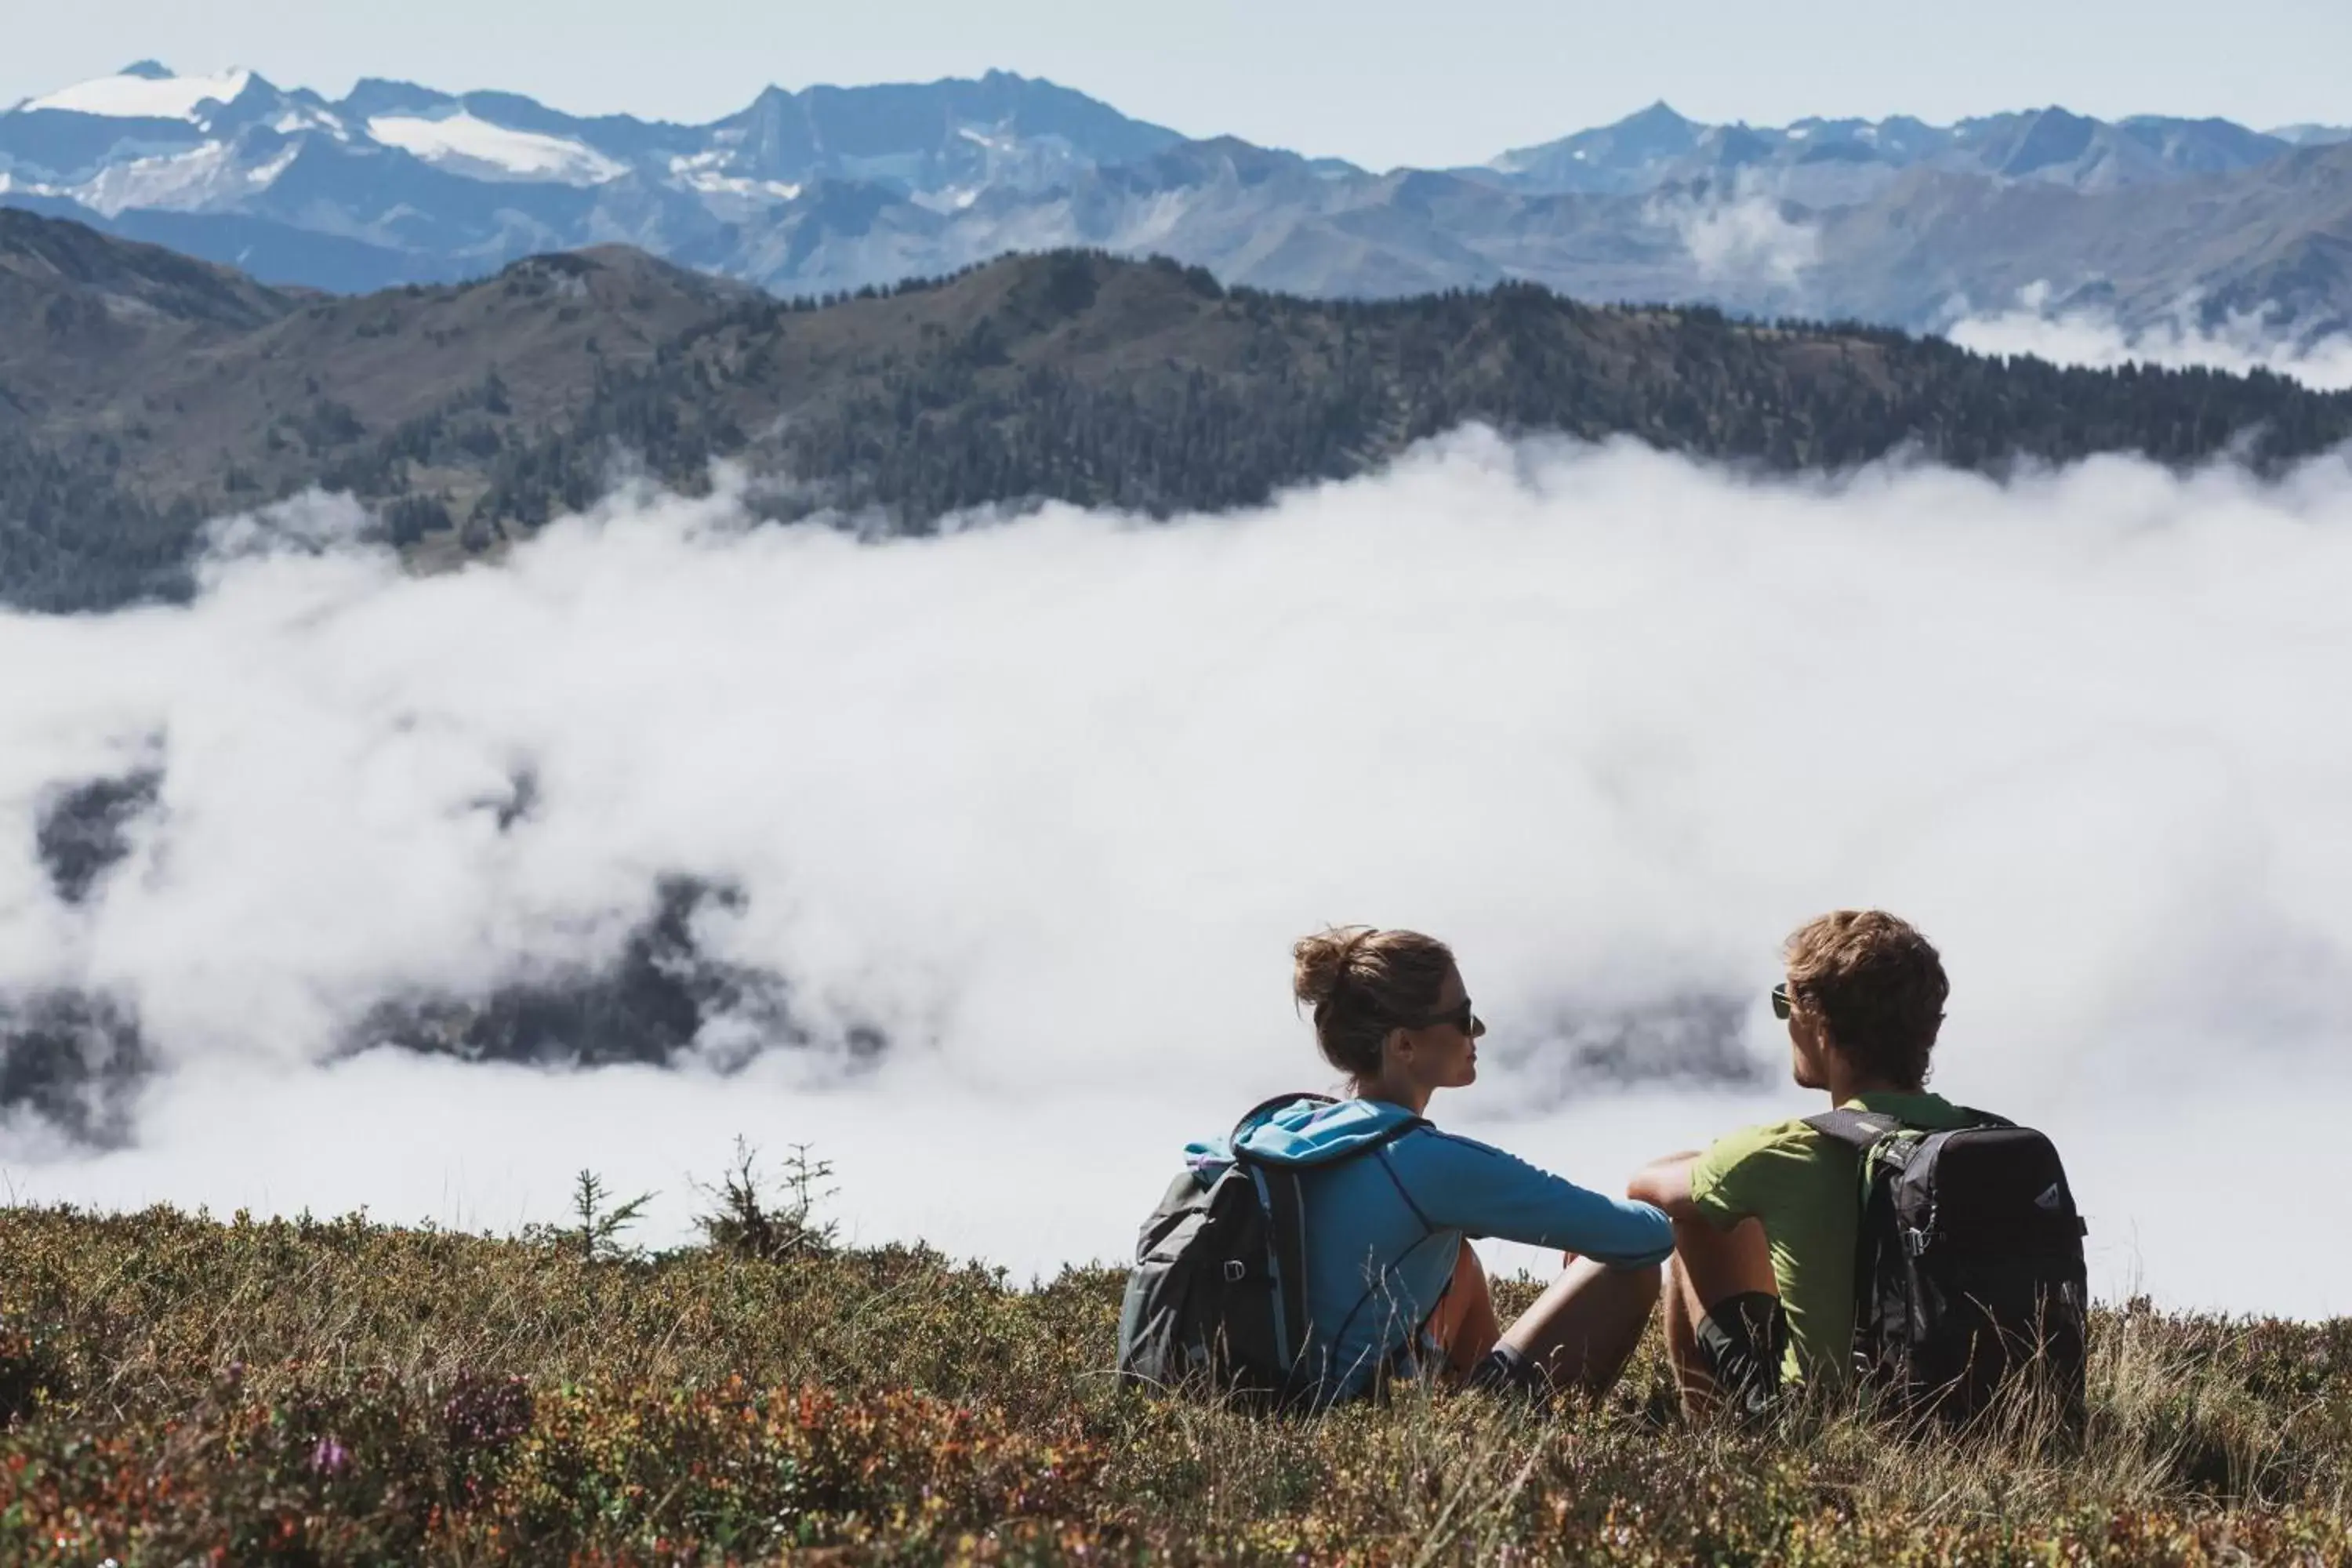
(1362, 981)
(1320, 963)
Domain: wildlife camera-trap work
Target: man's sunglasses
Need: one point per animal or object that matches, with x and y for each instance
(1780, 1002)
(1459, 1016)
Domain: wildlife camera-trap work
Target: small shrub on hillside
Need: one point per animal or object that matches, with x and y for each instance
(746, 1222)
(597, 1222)
(30, 1371)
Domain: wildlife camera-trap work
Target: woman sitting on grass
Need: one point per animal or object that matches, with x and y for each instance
(1392, 1285)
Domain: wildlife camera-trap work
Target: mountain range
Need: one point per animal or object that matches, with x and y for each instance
(143, 392)
(835, 189)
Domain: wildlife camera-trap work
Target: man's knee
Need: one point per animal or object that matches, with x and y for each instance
(1719, 1263)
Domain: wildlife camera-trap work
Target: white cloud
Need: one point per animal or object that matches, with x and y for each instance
(2238, 343)
(1743, 236)
(1047, 801)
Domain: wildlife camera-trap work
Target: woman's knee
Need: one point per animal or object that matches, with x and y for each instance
(1642, 1285)
(1469, 1268)
(1633, 1290)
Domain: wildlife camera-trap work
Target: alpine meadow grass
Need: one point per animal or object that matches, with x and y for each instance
(178, 1390)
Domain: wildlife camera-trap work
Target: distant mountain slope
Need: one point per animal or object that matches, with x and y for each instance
(1820, 161)
(466, 415)
(146, 139)
(398, 182)
(832, 188)
(43, 265)
(201, 401)
(2275, 239)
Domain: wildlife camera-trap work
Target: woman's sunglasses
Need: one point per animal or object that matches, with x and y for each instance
(1460, 1017)
(1780, 1002)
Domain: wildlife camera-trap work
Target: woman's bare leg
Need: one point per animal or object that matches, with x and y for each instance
(1583, 1328)
(1463, 1323)
(1709, 1266)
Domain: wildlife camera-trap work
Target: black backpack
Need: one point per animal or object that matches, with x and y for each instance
(1216, 1301)
(1968, 1275)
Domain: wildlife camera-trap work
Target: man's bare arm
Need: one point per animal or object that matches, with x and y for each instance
(1667, 1184)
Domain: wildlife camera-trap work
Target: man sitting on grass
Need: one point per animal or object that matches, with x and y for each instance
(1761, 1292)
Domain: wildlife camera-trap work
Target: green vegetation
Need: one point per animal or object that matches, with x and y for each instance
(469, 414)
(176, 1390)
(72, 538)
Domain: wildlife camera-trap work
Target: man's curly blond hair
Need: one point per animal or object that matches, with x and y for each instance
(1878, 982)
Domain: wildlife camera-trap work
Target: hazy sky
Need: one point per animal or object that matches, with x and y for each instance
(1381, 81)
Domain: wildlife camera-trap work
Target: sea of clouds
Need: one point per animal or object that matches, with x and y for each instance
(1045, 802)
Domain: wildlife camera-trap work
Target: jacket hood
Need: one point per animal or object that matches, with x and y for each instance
(1307, 1132)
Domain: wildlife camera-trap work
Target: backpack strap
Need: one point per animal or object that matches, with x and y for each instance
(1860, 1131)
(1279, 1188)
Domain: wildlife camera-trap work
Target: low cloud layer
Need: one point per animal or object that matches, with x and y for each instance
(2093, 338)
(974, 860)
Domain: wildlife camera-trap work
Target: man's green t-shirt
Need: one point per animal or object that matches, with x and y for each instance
(1807, 1191)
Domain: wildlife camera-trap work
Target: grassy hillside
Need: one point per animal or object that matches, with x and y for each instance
(176, 1390)
(140, 393)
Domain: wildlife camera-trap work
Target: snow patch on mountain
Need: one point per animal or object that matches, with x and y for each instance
(136, 95)
(463, 144)
(202, 178)
(710, 174)
(299, 118)
(953, 199)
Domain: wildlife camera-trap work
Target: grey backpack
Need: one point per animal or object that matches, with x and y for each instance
(1216, 1302)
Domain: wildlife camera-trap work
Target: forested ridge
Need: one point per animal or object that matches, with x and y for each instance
(142, 392)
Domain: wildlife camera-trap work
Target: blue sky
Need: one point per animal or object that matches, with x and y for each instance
(1381, 81)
